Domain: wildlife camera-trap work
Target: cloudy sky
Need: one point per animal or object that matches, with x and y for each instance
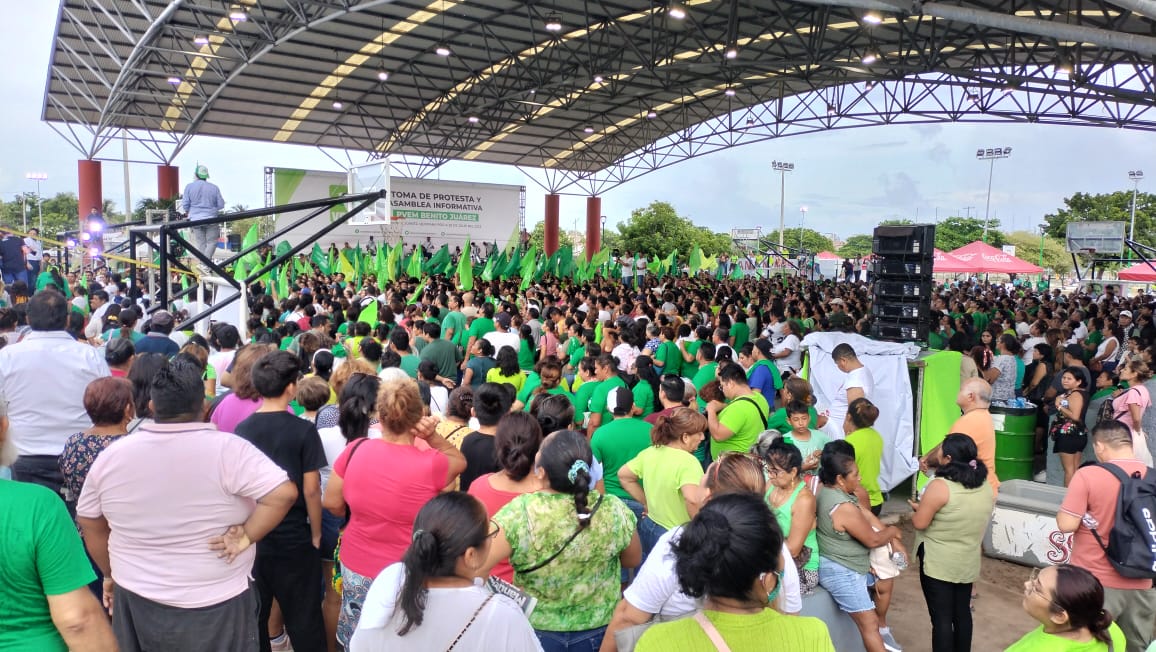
(848, 179)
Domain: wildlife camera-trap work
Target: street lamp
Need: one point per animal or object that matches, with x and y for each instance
(602, 233)
(782, 167)
(1136, 176)
(1043, 230)
(990, 154)
(37, 177)
(802, 219)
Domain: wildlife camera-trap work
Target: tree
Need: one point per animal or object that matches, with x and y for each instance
(896, 222)
(658, 229)
(856, 246)
(538, 237)
(1116, 206)
(61, 213)
(955, 232)
(151, 204)
(1027, 245)
(811, 240)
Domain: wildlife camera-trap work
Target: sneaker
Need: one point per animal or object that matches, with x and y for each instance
(889, 642)
(280, 643)
(1042, 476)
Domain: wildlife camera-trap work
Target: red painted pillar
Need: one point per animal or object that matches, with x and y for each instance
(88, 189)
(593, 226)
(553, 207)
(168, 182)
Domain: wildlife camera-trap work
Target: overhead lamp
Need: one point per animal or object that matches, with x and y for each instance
(732, 52)
(597, 79)
(650, 115)
(531, 91)
(238, 14)
(730, 92)
(750, 122)
(870, 57)
(442, 50)
(473, 119)
(870, 84)
(200, 39)
(1010, 88)
(1063, 64)
(872, 18)
(337, 104)
(589, 130)
(382, 74)
(973, 98)
(174, 80)
(553, 23)
(677, 12)
(831, 110)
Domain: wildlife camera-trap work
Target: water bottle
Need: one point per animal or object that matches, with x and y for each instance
(900, 560)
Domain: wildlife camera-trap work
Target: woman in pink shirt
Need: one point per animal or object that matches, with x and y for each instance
(1129, 405)
(385, 482)
(516, 441)
(244, 399)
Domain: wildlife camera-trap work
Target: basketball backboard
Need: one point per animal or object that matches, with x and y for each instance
(1096, 237)
(369, 177)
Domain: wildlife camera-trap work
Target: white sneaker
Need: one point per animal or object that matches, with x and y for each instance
(889, 642)
(1042, 476)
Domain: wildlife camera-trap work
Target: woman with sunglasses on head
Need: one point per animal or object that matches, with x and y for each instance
(433, 599)
(656, 592)
(567, 544)
(727, 557)
(1068, 602)
(950, 519)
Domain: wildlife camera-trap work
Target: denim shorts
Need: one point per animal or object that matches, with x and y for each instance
(847, 587)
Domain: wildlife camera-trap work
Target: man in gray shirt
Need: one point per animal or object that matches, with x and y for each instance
(202, 200)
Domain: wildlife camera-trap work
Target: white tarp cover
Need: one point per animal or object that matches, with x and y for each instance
(887, 362)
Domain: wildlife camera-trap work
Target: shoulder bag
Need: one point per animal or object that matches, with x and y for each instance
(565, 544)
(471, 622)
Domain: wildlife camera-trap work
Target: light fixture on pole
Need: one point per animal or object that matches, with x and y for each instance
(1043, 229)
(872, 18)
(1136, 176)
(991, 154)
(553, 23)
(802, 220)
(782, 167)
(41, 176)
(676, 11)
(238, 14)
(602, 233)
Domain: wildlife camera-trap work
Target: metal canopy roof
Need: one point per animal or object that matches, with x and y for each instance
(622, 88)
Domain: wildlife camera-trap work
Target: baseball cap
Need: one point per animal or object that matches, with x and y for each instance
(202, 172)
(1126, 313)
(503, 319)
(1074, 350)
(162, 318)
(836, 301)
(620, 401)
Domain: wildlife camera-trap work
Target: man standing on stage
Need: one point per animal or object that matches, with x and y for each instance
(202, 200)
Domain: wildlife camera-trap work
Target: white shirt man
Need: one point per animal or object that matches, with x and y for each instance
(502, 336)
(857, 383)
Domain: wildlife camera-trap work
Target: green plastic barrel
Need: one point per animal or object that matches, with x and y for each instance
(1015, 442)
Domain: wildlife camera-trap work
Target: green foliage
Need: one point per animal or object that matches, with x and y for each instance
(658, 229)
(856, 245)
(812, 240)
(955, 232)
(898, 222)
(538, 237)
(151, 204)
(1116, 206)
(1027, 246)
(61, 213)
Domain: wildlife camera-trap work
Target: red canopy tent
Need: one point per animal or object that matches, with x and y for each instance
(827, 255)
(945, 263)
(982, 258)
(1138, 272)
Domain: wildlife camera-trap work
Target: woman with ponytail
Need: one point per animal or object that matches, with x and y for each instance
(950, 519)
(645, 390)
(432, 599)
(727, 558)
(516, 444)
(567, 544)
(1068, 602)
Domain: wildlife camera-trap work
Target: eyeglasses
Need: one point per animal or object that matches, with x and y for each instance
(1035, 587)
(496, 529)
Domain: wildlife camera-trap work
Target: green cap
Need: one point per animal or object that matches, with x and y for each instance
(202, 172)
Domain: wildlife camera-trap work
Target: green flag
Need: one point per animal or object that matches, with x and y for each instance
(566, 262)
(413, 268)
(438, 261)
(283, 282)
(654, 266)
(737, 272)
(252, 259)
(513, 265)
(600, 258)
(528, 264)
(319, 259)
(417, 292)
(379, 263)
(393, 262)
(369, 314)
(488, 270)
(465, 269)
(695, 260)
(669, 262)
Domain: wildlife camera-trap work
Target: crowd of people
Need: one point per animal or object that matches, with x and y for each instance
(565, 467)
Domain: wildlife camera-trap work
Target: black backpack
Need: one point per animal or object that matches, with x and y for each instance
(1132, 543)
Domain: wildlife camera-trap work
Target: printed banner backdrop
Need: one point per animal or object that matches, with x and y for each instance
(446, 212)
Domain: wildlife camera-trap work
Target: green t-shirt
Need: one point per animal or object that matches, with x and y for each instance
(582, 397)
(478, 329)
(664, 471)
(1038, 640)
(579, 589)
(868, 445)
(575, 351)
(741, 332)
(43, 556)
(598, 398)
(444, 354)
(614, 444)
(741, 632)
(456, 321)
(525, 355)
(133, 337)
(409, 364)
(741, 417)
(644, 397)
(689, 369)
(494, 375)
(670, 358)
(533, 381)
(704, 375)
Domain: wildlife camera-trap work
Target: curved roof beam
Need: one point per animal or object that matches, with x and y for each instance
(142, 45)
(1145, 8)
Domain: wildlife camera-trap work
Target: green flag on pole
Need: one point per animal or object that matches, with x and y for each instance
(438, 261)
(368, 314)
(465, 269)
(695, 260)
(413, 268)
(417, 291)
(319, 259)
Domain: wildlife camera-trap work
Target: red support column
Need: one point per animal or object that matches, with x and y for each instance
(88, 189)
(168, 182)
(553, 208)
(593, 226)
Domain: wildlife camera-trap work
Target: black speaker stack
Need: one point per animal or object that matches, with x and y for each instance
(901, 272)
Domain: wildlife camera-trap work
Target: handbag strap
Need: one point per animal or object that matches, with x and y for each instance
(711, 632)
(565, 545)
(471, 622)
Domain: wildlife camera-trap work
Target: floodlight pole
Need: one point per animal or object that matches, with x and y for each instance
(990, 154)
(782, 167)
(1136, 176)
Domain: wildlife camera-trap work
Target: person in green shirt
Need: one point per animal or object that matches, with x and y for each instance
(736, 425)
(1058, 598)
(740, 332)
(645, 391)
(707, 368)
(868, 443)
(454, 323)
(399, 343)
(606, 372)
(689, 348)
(48, 606)
(482, 324)
(546, 381)
(667, 359)
(441, 352)
(618, 441)
(582, 395)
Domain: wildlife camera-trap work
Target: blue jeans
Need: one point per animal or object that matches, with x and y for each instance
(11, 276)
(584, 641)
(649, 533)
(637, 508)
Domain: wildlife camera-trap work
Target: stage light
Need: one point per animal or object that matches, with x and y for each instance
(598, 79)
(473, 119)
(831, 110)
(730, 92)
(94, 226)
(553, 23)
(238, 14)
(650, 115)
(732, 52)
(677, 12)
(870, 57)
(338, 105)
(174, 80)
(94, 252)
(85, 237)
(589, 130)
(70, 243)
(443, 50)
(382, 74)
(872, 18)
(200, 39)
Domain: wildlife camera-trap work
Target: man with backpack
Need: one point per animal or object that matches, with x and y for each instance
(1107, 508)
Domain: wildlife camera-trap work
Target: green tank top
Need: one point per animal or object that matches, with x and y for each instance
(839, 547)
(783, 516)
(951, 543)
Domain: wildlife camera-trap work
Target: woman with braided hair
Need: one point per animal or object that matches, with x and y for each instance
(567, 545)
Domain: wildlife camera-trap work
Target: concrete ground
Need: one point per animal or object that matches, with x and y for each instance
(998, 617)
